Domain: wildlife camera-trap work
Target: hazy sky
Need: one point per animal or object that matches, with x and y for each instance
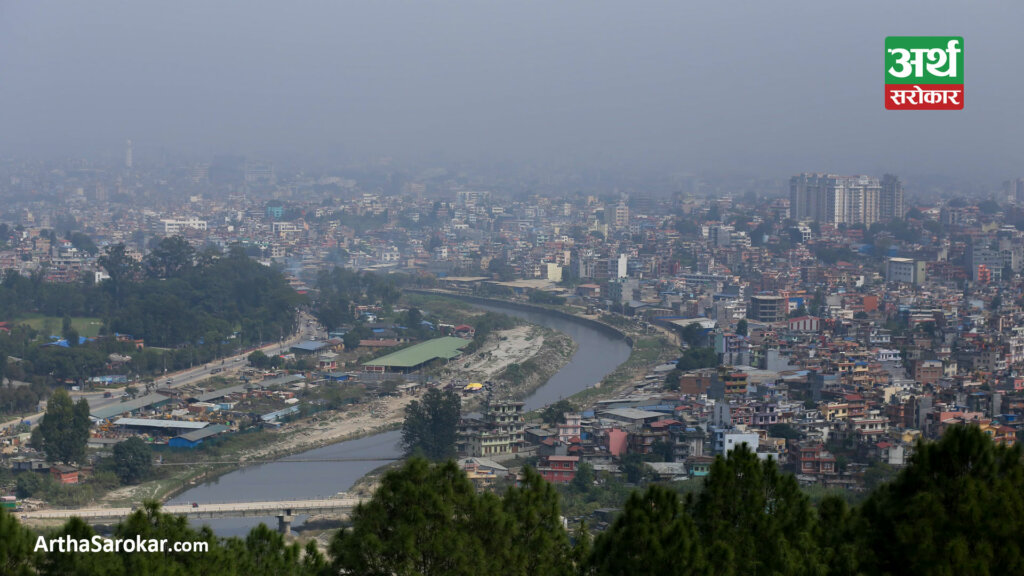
(767, 86)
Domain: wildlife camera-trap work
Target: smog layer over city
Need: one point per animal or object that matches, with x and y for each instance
(517, 288)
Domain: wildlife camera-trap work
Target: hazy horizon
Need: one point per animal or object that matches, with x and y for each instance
(751, 87)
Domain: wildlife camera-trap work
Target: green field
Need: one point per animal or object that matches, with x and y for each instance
(88, 327)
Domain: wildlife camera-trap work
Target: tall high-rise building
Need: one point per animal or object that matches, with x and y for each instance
(617, 216)
(835, 199)
(1014, 190)
(259, 173)
(804, 192)
(200, 173)
(891, 199)
(621, 266)
(128, 155)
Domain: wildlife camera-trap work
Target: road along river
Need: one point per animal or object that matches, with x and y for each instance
(600, 351)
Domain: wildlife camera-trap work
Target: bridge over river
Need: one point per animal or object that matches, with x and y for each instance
(284, 510)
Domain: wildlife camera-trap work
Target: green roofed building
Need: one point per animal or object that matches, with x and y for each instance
(415, 357)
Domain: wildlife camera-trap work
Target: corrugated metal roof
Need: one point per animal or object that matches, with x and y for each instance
(115, 409)
(197, 435)
(447, 348)
(631, 413)
(282, 380)
(308, 346)
(156, 423)
(221, 393)
(276, 415)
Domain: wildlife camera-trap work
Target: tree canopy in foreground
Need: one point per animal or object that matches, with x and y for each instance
(957, 508)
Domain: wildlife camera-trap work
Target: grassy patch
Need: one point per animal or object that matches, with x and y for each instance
(88, 327)
(444, 306)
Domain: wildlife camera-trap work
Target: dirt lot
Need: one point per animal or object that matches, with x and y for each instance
(506, 347)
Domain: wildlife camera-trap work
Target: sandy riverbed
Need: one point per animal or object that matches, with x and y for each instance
(513, 346)
(505, 347)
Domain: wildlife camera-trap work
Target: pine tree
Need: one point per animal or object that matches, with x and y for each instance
(148, 522)
(837, 534)
(542, 544)
(424, 520)
(430, 427)
(958, 508)
(756, 516)
(313, 561)
(582, 546)
(267, 553)
(653, 536)
(16, 546)
(81, 563)
(65, 428)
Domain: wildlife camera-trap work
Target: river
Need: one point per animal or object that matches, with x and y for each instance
(599, 352)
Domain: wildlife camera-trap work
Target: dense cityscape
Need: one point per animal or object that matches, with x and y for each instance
(828, 329)
(511, 288)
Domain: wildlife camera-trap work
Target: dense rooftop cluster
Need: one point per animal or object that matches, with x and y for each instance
(835, 334)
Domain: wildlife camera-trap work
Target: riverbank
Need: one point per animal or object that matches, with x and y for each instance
(646, 353)
(539, 352)
(519, 376)
(556, 352)
(561, 311)
(548, 350)
(649, 345)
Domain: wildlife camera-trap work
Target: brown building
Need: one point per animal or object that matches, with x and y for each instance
(812, 459)
(696, 383)
(927, 371)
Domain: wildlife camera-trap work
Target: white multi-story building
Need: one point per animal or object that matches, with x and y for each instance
(887, 355)
(388, 254)
(621, 266)
(285, 228)
(177, 226)
(1017, 345)
(724, 440)
(836, 199)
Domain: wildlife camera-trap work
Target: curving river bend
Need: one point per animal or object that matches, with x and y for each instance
(600, 351)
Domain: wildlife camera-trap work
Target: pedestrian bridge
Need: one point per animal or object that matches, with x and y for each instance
(284, 510)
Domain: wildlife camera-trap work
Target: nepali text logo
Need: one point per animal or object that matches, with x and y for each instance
(924, 73)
